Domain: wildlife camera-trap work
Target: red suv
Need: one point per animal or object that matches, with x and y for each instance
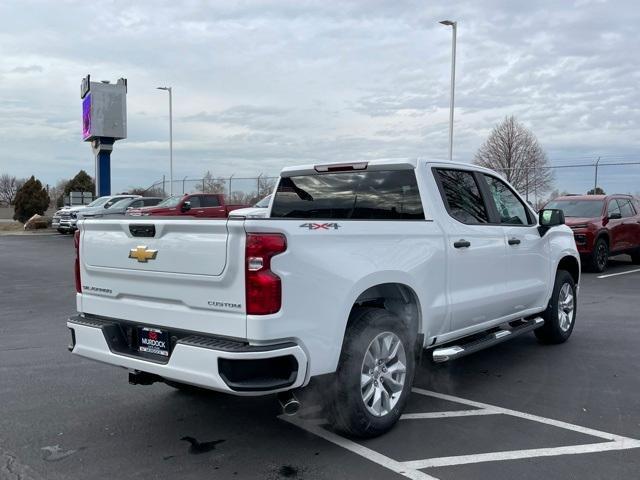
(602, 225)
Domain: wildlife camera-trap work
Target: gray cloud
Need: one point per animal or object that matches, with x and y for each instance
(263, 84)
(27, 69)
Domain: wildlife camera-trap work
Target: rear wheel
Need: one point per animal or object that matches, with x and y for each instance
(600, 256)
(374, 376)
(560, 315)
(635, 256)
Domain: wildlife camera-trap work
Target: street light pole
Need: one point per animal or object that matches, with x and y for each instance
(454, 31)
(169, 89)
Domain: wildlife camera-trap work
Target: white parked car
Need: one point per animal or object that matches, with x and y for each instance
(358, 270)
(66, 219)
(259, 210)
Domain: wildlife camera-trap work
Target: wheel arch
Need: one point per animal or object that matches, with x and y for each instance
(604, 234)
(570, 264)
(396, 297)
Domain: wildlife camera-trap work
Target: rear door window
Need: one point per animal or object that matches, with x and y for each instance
(461, 196)
(373, 195)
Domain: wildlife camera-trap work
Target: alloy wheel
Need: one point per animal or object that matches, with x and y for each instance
(383, 374)
(566, 306)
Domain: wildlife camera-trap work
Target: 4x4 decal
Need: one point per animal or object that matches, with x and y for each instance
(320, 226)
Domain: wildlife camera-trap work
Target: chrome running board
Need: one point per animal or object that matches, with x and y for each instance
(452, 352)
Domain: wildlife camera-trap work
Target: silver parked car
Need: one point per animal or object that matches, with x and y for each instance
(123, 206)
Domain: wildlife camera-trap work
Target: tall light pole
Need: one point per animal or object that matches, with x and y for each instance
(168, 89)
(454, 26)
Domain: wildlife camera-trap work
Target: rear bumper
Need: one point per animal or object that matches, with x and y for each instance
(205, 361)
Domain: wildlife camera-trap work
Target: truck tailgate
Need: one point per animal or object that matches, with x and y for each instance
(185, 274)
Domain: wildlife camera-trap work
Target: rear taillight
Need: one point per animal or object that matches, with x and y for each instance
(263, 287)
(76, 242)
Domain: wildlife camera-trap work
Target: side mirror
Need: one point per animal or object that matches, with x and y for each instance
(549, 217)
(186, 206)
(615, 216)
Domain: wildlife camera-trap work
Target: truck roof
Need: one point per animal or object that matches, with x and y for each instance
(378, 164)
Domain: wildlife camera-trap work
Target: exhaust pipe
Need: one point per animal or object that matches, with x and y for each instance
(289, 403)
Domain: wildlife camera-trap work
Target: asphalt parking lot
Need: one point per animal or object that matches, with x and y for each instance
(518, 410)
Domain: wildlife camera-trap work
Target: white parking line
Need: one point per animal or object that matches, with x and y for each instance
(455, 413)
(411, 469)
(619, 273)
(519, 454)
(527, 416)
(361, 450)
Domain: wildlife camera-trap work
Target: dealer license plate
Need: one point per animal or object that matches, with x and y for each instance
(152, 340)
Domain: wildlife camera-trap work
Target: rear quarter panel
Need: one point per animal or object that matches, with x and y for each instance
(324, 271)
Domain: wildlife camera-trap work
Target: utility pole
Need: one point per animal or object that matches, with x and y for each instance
(170, 90)
(595, 184)
(454, 31)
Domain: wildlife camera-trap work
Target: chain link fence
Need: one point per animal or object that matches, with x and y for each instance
(599, 176)
(584, 178)
(246, 190)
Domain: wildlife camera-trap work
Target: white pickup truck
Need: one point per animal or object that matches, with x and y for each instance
(357, 270)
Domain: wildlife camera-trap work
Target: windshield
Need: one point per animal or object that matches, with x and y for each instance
(264, 203)
(123, 203)
(578, 208)
(98, 201)
(169, 202)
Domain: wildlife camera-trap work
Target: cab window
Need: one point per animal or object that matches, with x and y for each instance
(194, 201)
(209, 201)
(510, 208)
(626, 209)
(613, 208)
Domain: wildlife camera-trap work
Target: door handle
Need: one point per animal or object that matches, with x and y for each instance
(462, 244)
(514, 241)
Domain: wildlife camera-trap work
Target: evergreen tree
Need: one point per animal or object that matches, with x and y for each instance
(82, 182)
(32, 198)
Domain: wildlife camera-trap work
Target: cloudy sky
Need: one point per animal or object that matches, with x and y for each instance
(263, 84)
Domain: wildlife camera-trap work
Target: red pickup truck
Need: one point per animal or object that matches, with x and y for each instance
(201, 205)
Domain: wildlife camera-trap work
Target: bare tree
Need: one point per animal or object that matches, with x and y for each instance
(514, 151)
(211, 184)
(239, 197)
(265, 186)
(9, 186)
(56, 193)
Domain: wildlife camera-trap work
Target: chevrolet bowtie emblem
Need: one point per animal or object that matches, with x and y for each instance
(143, 254)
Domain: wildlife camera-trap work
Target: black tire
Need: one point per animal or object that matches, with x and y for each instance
(600, 257)
(346, 407)
(552, 332)
(635, 256)
(60, 230)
